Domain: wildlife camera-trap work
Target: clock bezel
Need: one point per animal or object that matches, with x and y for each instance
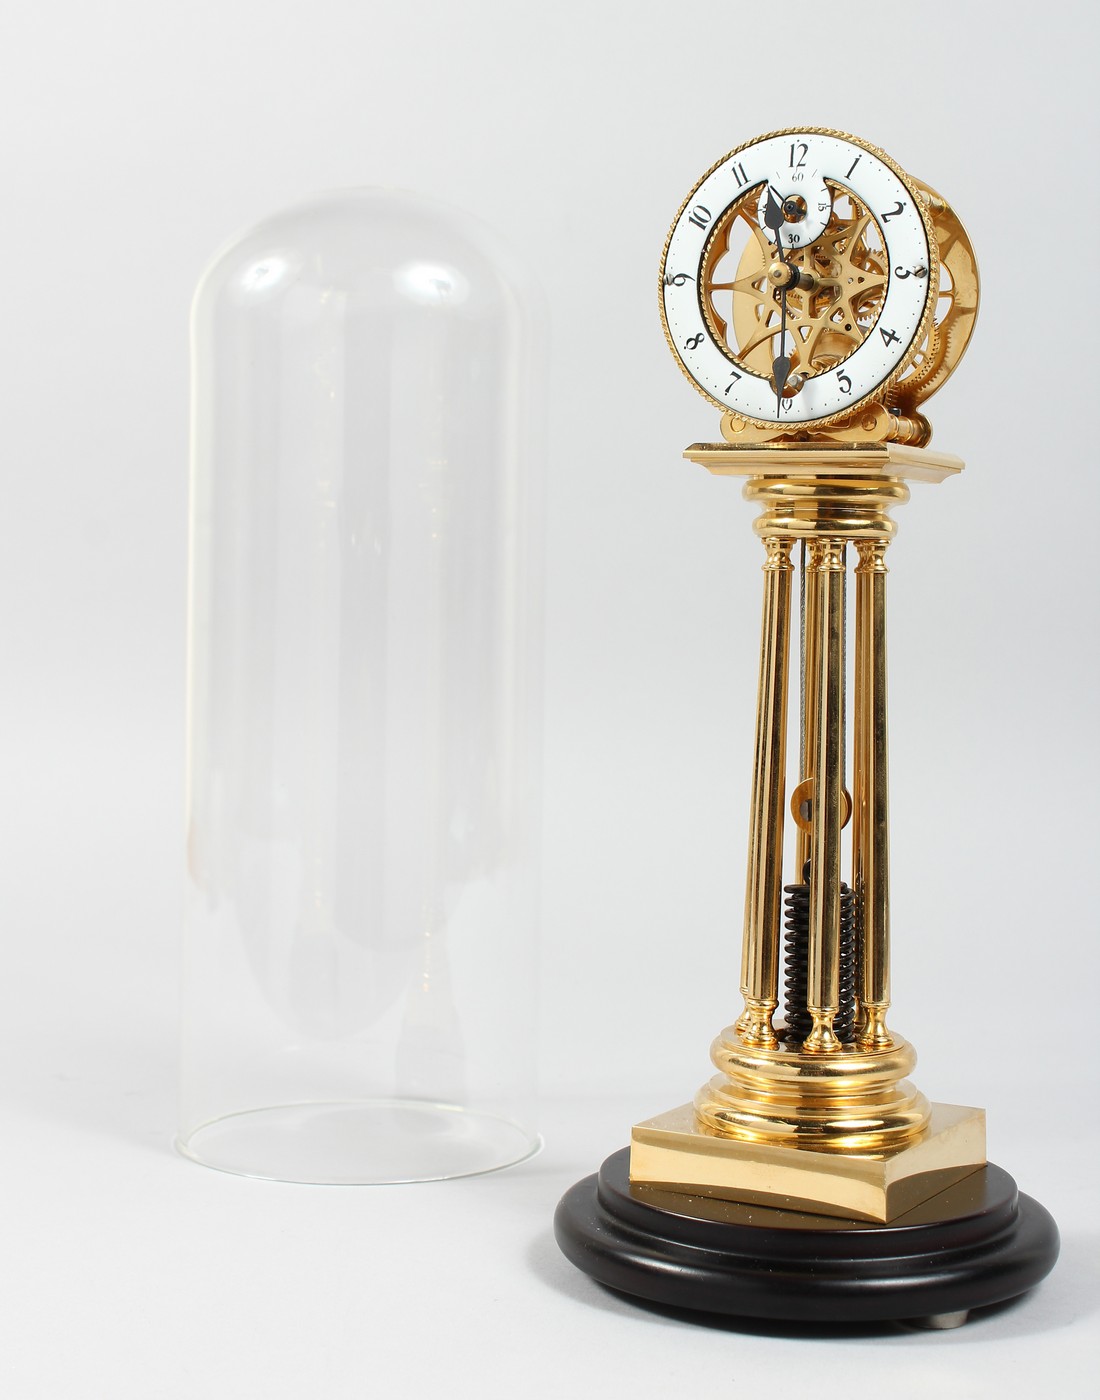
(877, 392)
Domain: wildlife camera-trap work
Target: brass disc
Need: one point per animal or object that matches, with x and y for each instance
(802, 798)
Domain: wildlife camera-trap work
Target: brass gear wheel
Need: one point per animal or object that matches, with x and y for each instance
(824, 325)
(956, 309)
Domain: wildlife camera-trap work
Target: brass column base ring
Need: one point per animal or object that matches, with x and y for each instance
(844, 1101)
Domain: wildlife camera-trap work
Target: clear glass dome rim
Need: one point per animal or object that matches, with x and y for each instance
(533, 1141)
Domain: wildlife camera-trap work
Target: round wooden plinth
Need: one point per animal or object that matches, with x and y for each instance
(976, 1243)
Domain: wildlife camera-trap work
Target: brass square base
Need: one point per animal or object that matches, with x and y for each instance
(672, 1152)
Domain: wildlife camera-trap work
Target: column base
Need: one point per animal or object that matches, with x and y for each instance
(846, 1101)
(979, 1242)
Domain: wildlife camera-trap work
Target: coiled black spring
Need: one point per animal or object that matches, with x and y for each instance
(796, 958)
(844, 1024)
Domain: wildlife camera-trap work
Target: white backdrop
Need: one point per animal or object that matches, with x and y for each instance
(140, 136)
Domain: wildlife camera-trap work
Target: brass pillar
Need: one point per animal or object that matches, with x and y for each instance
(870, 838)
(786, 1118)
(764, 885)
(809, 693)
(823, 1000)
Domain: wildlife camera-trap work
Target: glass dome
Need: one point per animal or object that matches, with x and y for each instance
(364, 654)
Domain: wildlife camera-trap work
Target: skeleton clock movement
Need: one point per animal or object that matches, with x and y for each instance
(817, 295)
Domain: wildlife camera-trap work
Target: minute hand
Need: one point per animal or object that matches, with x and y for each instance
(781, 365)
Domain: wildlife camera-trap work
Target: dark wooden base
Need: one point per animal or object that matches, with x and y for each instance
(976, 1243)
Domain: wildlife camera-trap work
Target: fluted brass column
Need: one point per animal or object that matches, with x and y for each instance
(870, 838)
(823, 999)
(809, 692)
(764, 886)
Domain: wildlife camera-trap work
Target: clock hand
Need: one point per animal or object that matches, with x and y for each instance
(781, 365)
(773, 219)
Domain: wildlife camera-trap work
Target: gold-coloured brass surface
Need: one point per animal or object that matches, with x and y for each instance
(852, 1099)
(803, 838)
(957, 306)
(672, 1151)
(754, 1025)
(847, 257)
(786, 274)
(873, 461)
(819, 1095)
(823, 1001)
(764, 884)
(873, 423)
(846, 508)
(702, 1205)
(802, 805)
(870, 836)
(802, 801)
(837, 287)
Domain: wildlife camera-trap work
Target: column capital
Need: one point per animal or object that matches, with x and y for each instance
(827, 554)
(872, 556)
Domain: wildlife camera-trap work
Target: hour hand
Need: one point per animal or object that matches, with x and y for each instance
(773, 218)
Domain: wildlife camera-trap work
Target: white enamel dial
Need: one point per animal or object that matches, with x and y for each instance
(869, 256)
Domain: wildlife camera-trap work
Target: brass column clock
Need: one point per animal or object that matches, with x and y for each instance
(817, 295)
